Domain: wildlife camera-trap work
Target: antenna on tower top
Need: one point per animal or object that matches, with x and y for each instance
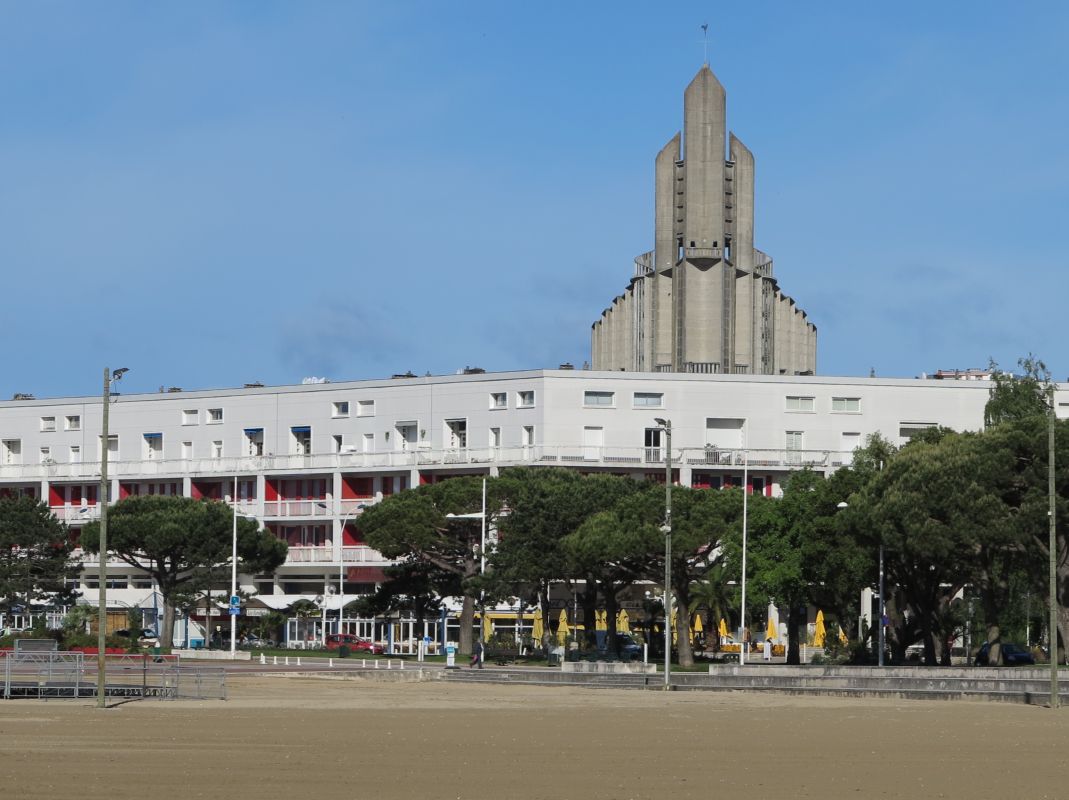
(705, 42)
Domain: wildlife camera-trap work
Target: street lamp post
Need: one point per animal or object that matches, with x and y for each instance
(666, 426)
(234, 571)
(341, 560)
(102, 565)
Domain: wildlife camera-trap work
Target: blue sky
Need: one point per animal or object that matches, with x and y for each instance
(218, 193)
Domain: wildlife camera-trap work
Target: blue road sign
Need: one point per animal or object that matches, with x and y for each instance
(234, 611)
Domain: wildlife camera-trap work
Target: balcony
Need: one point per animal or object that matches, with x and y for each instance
(413, 459)
(358, 554)
(298, 508)
(74, 515)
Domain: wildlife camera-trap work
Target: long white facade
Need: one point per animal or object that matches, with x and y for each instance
(307, 459)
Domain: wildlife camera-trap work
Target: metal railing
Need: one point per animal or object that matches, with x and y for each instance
(71, 675)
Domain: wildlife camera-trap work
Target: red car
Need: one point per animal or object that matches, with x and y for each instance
(354, 643)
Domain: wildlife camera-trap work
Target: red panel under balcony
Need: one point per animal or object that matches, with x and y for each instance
(357, 488)
(365, 575)
(55, 495)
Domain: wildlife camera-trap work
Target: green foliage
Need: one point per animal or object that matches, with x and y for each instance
(1017, 397)
(178, 541)
(35, 555)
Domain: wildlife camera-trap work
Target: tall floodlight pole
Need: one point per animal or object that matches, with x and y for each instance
(102, 559)
(666, 425)
(1052, 547)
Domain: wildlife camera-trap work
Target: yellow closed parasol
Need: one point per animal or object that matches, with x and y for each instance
(537, 630)
(819, 635)
(562, 628)
(623, 622)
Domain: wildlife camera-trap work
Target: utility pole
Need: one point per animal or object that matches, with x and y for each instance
(102, 560)
(1052, 547)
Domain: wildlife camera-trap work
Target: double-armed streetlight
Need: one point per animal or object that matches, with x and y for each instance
(233, 574)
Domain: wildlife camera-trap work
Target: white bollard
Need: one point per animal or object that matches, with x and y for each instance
(263, 658)
(376, 665)
(363, 663)
(275, 662)
(298, 661)
(402, 665)
(287, 661)
(331, 662)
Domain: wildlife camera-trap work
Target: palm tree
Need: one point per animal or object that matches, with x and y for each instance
(712, 596)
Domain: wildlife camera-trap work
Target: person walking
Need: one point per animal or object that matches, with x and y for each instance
(476, 655)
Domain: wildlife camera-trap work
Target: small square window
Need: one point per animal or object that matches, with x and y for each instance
(190, 416)
(215, 416)
(48, 424)
(525, 399)
(365, 408)
(649, 400)
(340, 408)
(800, 404)
(73, 423)
(217, 448)
(602, 399)
(499, 400)
(46, 455)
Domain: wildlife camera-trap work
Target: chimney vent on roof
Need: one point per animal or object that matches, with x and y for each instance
(22, 396)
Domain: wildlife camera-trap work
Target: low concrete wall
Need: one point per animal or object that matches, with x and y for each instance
(609, 667)
(213, 655)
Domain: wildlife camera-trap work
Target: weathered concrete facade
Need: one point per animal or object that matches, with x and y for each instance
(704, 300)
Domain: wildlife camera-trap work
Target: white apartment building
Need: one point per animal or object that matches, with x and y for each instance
(305, 460)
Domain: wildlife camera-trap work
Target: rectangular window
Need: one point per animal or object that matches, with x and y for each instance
(649, 400)
(153, 446)
(187, 450)
(73, 423)
(846, 405)
(12, 451)
(337, 442)
(113, 446)
(800, 404)
(215, 416)
(907, 430)
(365, 408)
(46, 455)
(217, 448)
(525, 399)
(795, 444)
(456, 433)
(340, 408)
(369, 443)
(527, 435)
(499, 400)
(254, 441)
(301, 441)
(603, 399)
(190, 416)
(76, 454)
(48, 424)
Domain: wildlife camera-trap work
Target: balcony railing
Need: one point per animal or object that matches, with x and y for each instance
(709, 456)
(360, 554)
(299, 508)
(76, 514)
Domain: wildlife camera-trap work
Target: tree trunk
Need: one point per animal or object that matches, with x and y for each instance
(543, 603)
(612, 607)
(167, 629)
(994, 644)
(588, 601)
(683, 646)
(467, 620)
(795, 618)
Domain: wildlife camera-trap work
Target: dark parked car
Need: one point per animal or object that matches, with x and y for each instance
(1012, 655)
(626, 647)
